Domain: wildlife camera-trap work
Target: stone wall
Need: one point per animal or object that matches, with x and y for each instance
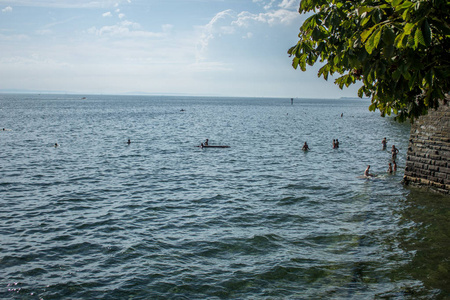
(428, 155)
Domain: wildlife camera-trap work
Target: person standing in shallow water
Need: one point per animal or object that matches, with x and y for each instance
(384, 143)
(334, 144)
(394, 152)
(305, 147)
(390, 168)
(367, 173)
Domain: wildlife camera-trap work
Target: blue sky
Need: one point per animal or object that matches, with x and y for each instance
(193, 47)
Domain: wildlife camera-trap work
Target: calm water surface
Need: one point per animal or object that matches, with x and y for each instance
(96, 218)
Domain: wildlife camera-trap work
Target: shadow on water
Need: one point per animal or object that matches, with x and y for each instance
(425, 219)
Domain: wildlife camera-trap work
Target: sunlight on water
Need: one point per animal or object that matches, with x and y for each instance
(160, 218)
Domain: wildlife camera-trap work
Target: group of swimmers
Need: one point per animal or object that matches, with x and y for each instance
(392, 167)
(335, 145)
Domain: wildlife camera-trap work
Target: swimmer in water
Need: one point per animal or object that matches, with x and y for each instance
(56, 145)
(129, 141)
(394, 152)
(367, 174)
(390, 168)
(206, 142)
(305, 147)
(384, 143)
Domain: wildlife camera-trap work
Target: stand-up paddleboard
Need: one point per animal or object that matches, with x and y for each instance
(212, 146)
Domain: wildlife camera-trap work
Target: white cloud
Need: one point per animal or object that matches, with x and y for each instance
(121, 16)
(107, 14)
(281, 16)
(7, 9)
(266, 4)
(285, 4)
(219, 24)
(289, 4)
(269, 5)
(228, 22)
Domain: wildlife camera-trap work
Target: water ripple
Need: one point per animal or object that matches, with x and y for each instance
(96, 218)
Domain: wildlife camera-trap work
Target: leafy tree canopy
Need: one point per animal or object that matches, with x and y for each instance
(398, 49)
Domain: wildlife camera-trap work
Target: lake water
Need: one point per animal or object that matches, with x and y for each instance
(96, 218)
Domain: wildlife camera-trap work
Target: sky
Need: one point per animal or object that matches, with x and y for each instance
(187, 47)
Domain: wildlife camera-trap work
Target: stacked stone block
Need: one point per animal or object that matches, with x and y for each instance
(428, 155)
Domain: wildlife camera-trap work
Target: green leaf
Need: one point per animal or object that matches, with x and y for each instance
(367, 33)
(309, 23)
(365, 19)
(373, 41)
(387, 110)
(410, 41)
(361, 92)
(324, 71)
(341, 81)
(405, 5)
(388, 35)
(426, 32)
(408, 28)
(377, 37)
(364, 9)
(302, 62)
(406, 15)
(418, 38)
(295, 62)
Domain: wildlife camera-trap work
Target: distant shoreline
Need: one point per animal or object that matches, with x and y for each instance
(32, 92)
